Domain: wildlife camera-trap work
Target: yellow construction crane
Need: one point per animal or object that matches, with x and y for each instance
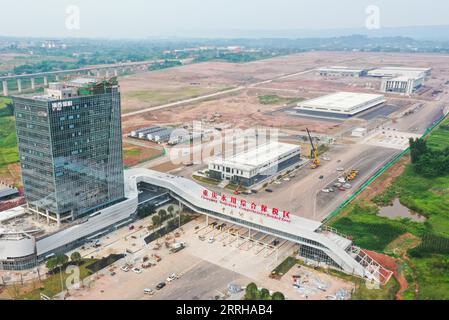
(313, 153)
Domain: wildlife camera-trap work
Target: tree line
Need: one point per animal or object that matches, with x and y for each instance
(427, 162)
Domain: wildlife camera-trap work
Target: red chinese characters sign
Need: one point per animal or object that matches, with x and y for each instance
(244, 205)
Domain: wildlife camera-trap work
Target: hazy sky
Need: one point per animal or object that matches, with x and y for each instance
(144, 18)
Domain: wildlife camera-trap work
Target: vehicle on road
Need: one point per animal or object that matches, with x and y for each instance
(326, 190)
(286, 179)
(125, 268)
(340, 169)
(277, 182)
(269, 190)
(113, 273)
(321, 177)
(160, 285)
(137, 270)
(149, 292)
(211, 240)
(172, 277)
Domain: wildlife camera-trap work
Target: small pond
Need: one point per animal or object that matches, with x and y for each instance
(397, 210)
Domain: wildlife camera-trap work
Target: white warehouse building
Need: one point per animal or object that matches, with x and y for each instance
(340, 104)
(256, 165)
(340, 71)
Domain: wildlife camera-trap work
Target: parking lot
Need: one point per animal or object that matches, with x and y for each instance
(212, 259)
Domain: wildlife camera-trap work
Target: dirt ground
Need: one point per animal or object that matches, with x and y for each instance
(134, 154)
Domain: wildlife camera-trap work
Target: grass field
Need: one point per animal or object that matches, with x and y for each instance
(8, 142)
(275, 99)
(398, 237)
(52, 285)
(153, 97)
(439, 139)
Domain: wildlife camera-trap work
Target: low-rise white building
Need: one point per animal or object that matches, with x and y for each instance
(340, 104)
(255, 165)
(403, 84)
(399, 71)
(339, 71)
(359, 132)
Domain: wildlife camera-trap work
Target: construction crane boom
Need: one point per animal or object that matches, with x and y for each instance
(313, 153)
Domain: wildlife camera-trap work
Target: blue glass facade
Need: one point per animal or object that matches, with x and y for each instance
(71, 151)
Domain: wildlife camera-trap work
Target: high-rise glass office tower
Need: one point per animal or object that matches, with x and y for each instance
(70, 146)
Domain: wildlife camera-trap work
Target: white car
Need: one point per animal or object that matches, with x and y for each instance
(286, 179)
(172, 277)
(148, 291)
(326, 159)
(211, 240)
(137, 270)
(326, 190)
(125, 268)
(277, 182)
(340, 169)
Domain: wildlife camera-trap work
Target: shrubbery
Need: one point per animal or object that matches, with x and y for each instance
(427, 162)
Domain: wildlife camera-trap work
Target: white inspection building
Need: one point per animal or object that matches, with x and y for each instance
(255, 165)
(403, 84)
(340, 104)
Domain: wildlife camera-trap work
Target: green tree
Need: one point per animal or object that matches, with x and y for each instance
(62, 259)
(52, 263)
(162, 214)
(278, 296)
(156, 221)
(252, 292)
(264, 294)
(75, 257)
(171, 209)
(418, 147)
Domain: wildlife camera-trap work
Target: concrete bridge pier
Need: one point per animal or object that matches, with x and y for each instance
(107, 73)
(33, 83)
(19, 85)
(5, 88)
(115, 73)
(45, 81)
(57, 77)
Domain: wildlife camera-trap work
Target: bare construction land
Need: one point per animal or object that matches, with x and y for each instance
(282, 81)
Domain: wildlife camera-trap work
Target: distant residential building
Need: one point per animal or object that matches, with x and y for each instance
(71, 148)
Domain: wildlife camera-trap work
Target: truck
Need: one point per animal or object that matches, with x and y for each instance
(178, 246)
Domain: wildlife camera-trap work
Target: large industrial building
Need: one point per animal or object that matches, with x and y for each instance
(340, 71)
(399, 71)
(70, 145)
(257, 164)
(340, 104)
